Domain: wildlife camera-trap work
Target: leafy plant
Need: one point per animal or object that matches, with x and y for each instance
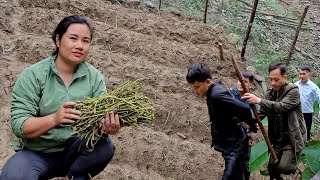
(315, 113)
(259, 156)
(310, 159)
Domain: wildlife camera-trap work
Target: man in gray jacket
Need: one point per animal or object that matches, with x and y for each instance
(286, 127)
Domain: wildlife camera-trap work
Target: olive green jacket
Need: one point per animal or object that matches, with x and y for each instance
(285, 119)
(39, 91)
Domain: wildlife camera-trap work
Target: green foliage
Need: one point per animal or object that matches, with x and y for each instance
(306, 174)
(264, 172)
(192, 7)
(265, 122)
(315, 111)
(259, 156)
(261, 50)
(272, 4)
(271, 34)
(312, 153)
(269, 56)
(237, 29)
(316, 108)
(310, 159)
(235, 8)
(187, 7)
(316, 105)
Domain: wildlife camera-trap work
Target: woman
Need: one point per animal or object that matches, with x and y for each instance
(238, 92)
(43, 100)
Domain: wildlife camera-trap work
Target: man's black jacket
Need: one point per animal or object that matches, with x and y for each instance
(226, 114)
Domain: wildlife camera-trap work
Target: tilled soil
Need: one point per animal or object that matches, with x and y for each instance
(129, 44)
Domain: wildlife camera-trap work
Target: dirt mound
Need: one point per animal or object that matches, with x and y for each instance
(128, 44)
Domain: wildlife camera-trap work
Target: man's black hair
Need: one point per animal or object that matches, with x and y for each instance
(304, 67)
(278, 65)
(65, 23)
(198, 72)
(248, 74)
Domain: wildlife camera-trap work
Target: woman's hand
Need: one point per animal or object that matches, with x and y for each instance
(66, 115)
(250, 139)
(111, 123)
(34, 127)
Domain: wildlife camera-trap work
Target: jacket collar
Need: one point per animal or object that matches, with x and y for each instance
(307, 83)
(275, 93)
(210, 89)
(81, 70)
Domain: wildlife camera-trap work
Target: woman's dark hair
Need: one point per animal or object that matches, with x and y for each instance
(304, 67)
(248, 74)
(198, 72)
(280, 65)
(65, 23)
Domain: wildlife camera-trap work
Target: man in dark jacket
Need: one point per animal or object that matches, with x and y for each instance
(286, 127)
(226, 113)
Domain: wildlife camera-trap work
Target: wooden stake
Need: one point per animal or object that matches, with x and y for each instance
(206, 11)
(222, 57)
(244, 45)
(253, 107)
(159, 5)
(297, 34)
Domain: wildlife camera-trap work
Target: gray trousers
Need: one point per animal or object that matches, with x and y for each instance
(286, 164)
(74, 162)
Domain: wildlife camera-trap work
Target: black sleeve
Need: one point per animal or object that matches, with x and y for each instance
(233, 107)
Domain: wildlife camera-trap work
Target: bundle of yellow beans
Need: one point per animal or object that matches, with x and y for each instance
(127, 101)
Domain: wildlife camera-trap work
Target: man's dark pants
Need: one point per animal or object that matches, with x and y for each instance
(235, 159)
(247, 165)
(77, 163)
(308, 120)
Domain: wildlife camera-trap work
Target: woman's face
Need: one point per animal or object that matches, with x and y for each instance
(74, 44)
(246, 82)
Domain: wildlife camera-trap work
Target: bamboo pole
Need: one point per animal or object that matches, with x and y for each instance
(159, 5)
(205, 11)
(253, 13)
(297, 34)
(275, 16)
(287, 23)
(253, 107)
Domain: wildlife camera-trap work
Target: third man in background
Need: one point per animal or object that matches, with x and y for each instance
(309, 93)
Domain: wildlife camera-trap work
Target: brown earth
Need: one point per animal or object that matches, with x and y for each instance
(129, 44)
